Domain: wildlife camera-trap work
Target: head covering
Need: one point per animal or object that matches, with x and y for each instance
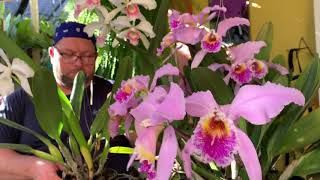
(71, 29)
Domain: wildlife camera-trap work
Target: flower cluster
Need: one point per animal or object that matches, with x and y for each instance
(125, 19)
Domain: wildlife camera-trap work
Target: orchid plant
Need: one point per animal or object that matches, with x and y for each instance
(223, 109)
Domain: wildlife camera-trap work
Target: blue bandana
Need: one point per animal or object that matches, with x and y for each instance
(71, 29)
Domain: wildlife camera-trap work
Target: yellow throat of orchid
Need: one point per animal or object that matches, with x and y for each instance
(216, 125)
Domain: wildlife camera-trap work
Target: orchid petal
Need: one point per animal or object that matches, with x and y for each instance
(172, 107)
(117, 2)
(167, 69)
(21, 66)
(246, 51)
(198, 58)
(90, 28)
(120, 23)
(131, 160)
(258, 104)
(226, 24)
(189, 35)
(146, 27)
(215, 66)
(186, 153)
(115, 42)
(117, 109)
(4, 57)
(143, 81)
(167, 154)
(282, 70)
(6, 86)
(110, 15)
(148, 4)
(127, 124)
(24, 82)
(113, 126)
(145, 41)
(249, 156)
(123, 34)
(200, 103)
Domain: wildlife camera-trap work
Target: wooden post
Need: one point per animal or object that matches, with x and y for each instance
(34, 10)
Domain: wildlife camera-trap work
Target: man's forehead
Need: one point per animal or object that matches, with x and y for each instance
(75, 43)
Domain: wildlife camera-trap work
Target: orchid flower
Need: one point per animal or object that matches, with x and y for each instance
(187, 28)
(212, 41)
(20, 69)
(217, 137)
(131, 93)
(159, 108)
(85, 4)
(133, 33)
(244, 67)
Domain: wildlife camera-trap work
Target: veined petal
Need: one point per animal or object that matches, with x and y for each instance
(146, 27)
(246, 51)
(200, 103)
(4, 57)
(167, 154)
(198, 58)
(186, 153)
(282, 70)
(226, 24)
(168, 70)
(258, 104)
(145, 41)
(6, 86)
(120, 23)
(24, 82)
(148, 4)
(249, 157)
(19, 66)
(172, 107)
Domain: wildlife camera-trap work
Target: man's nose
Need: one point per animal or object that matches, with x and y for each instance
(78, 61)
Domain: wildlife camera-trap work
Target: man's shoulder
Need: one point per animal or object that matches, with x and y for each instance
(102, 83)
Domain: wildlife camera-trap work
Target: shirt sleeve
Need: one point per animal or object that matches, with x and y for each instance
(11, 108)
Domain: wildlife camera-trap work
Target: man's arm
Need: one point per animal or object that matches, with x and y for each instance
(17, 166)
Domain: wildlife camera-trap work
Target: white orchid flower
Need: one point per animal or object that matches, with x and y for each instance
(18, 68)
(127, 31)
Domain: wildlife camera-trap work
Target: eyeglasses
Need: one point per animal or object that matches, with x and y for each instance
(71, 58)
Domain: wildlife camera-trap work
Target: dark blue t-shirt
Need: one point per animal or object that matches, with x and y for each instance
(19, 108)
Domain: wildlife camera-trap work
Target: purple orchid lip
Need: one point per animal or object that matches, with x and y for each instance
(241, 73)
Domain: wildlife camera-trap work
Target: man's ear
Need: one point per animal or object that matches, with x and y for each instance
(51, 51)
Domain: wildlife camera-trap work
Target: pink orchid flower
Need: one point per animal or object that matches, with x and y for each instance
(217, 137)
(244, 67)
(212, 41)
(85, 4)
(151, 116)
(187, 28)
(131, 93)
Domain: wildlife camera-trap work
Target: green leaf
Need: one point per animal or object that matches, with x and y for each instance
(302, 133)
(47, 104)
(102, 118)
(27, 149)
(308, 164)
(77, 92)
(160, 28)
(13, 51)
(266, 35)
(203, 79)
(124, 72)
(52, 148)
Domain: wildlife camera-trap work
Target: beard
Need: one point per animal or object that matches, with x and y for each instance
(67, 82)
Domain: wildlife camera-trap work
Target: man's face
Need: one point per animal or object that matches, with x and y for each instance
(71, 55)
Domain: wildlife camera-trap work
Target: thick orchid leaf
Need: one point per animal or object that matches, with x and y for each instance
(52, 148)
(266, 35)
(13, 51)
(308, 164)
(160, 28)
(203, 79)
(27, 149)
(77, 92)
(308, 83)
(124, 71)
(302, 133)
(102, 118)
(47, 104)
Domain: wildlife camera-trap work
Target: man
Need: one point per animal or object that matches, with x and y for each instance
(72, 51)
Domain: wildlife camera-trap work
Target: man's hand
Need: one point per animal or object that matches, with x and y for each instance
(43, 169)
